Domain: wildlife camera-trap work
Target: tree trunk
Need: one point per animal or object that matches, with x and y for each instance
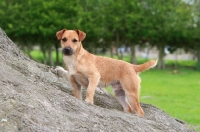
(44, 55)
(120, 53)
(92, 48)
(51, 62)
(147, 51)
(133, 55)
(95, 50)
(198, 60)
(176, 60)
(118, 45)
(57, 54)
(111, 52)
(161, 63)
(117, 53)
(29, 50)
(198, 56)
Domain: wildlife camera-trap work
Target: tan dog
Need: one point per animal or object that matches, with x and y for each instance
(90, 71)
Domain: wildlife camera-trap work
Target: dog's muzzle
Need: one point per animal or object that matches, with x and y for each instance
(67, 51)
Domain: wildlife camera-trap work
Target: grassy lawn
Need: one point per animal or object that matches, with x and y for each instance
(176, 94)
(38, 56)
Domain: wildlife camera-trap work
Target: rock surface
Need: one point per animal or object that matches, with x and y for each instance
(34, 98)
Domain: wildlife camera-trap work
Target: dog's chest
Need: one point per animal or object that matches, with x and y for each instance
(71, 65)
(72, 69)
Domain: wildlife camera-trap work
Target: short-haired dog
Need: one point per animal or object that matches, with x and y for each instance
(88, 70)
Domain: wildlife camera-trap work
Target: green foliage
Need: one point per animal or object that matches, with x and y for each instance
(174, 23)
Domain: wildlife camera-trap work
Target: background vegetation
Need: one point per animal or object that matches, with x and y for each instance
(172, 23)
(107, 23)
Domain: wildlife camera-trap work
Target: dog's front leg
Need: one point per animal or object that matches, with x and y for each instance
(93, 82)
(76, 88)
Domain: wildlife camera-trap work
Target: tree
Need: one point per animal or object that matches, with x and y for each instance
(36, 22)
(135, 25)
(107, 23)
(195, 26)
(168, 20)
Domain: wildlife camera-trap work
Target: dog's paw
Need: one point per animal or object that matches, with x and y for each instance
(59, 68)
(61, 72)
(90, 101)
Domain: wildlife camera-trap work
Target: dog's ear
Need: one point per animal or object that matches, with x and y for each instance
(60, 33)
(81, 35)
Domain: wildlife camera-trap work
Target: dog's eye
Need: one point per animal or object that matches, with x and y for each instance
(64, 39)
(74, 40)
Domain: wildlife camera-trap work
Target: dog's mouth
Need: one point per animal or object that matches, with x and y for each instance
(68, 51)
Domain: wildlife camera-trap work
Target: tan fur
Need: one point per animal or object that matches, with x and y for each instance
(88, 70)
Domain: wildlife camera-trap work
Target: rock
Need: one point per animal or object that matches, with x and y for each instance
(34, 98)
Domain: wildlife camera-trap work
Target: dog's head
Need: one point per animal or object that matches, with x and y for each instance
(70, 40)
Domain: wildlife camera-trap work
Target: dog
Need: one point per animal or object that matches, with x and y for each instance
(88, 70)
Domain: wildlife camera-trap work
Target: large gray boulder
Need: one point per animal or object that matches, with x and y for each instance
(34, 98)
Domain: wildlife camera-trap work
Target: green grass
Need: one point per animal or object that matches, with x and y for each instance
(38, 56)
(176, 94)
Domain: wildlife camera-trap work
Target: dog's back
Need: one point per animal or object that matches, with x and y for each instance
(112, 69)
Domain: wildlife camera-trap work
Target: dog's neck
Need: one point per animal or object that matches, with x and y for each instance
(80, 51)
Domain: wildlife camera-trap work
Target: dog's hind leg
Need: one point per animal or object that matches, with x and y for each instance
(133, 99)
(131, 89)
(76, 88)
(121, 97)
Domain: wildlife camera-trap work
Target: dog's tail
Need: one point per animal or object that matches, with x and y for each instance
(145, 66)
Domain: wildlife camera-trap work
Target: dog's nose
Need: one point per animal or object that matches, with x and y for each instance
(67, 51)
